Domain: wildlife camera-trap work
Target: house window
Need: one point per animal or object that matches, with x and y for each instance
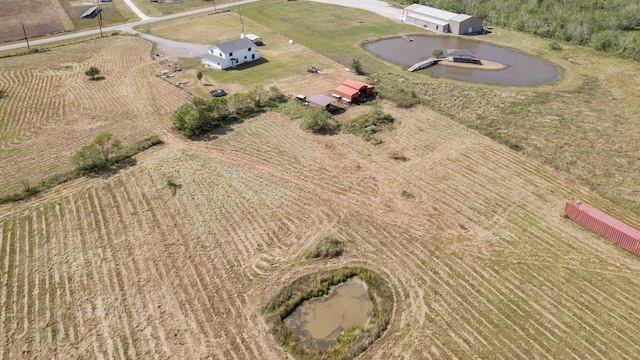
(253, 56)
(245, 57)
(231, 54)
(249, 49)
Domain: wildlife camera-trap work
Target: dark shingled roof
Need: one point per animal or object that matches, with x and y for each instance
(460, 52)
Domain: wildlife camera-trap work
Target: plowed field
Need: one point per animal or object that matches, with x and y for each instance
(480, 258)
(51, 107)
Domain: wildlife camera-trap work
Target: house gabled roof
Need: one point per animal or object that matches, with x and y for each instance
(235, 45)
(431, 12)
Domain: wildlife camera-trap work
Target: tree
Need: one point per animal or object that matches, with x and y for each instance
(92, 72)
(437, 53)
(106, 145)
(2, 93)
(356, 65)
(316, 120)
(87, 158)
(199, 75)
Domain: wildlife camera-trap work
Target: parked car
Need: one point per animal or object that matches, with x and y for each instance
(218, 93)
(177, 68)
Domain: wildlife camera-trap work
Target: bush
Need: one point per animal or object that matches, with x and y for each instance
(356, 65)
(317, 120)
(201, 116)
(555, 46)
(327, 249)
(92, 72)
(357, 125)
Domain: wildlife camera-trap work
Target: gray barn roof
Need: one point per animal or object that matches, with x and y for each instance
(431, 12)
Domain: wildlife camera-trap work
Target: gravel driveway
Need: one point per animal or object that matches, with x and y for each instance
(171, 50)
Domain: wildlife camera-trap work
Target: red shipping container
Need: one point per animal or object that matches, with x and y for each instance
(604, 225)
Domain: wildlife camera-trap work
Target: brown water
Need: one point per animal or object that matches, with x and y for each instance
(521, 69)
(318, 322)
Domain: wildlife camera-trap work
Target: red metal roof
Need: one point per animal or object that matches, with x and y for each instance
(599, 215)
(355, 84)
(346, 92)
(604, 225)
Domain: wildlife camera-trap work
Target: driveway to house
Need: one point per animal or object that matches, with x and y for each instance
(171, 50)
(376, 6)
(135, 9)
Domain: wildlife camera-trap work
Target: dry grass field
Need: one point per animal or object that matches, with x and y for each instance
(52, 108)
(40, 17)
(469, 234)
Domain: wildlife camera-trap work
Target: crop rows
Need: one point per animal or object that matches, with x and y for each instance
(52, 109)
(480, 259)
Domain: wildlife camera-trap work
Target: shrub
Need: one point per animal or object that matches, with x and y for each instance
(92, 72)
(555, 46)
(317, 120)
(356, 65)
(327, 248)
(437, 53)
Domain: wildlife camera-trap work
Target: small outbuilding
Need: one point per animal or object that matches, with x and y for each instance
(321, 100)
(91, 13)
(230, 54)
(462, 55)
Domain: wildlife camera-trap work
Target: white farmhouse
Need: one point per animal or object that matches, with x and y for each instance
(231, 54)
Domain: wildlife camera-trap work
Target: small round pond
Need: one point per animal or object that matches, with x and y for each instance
(521, 70)
(318, 322)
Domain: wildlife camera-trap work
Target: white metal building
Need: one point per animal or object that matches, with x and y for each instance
(441, 20)
(231, 54)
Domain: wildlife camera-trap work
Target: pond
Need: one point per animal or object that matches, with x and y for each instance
(520, 69)
(318, 322)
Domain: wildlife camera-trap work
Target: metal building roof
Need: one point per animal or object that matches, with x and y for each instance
(431, 12)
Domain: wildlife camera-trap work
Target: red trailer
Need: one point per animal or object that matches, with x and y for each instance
(603, 224)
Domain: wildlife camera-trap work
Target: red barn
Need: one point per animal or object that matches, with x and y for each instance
(360, 86)
(603, 224)
(346, 93)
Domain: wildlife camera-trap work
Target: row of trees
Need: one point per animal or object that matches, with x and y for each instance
(606, 25)
(200, 116)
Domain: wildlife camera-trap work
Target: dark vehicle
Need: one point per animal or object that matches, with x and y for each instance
(217, 93)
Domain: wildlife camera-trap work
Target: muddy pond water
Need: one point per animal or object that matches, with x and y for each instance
(521, 69)
(318, 322)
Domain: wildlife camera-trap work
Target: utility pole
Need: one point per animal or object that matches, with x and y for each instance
(25, 35)
(100, 18)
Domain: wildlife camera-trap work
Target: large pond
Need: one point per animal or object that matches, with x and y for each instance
(520, 69)
(318, 322)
